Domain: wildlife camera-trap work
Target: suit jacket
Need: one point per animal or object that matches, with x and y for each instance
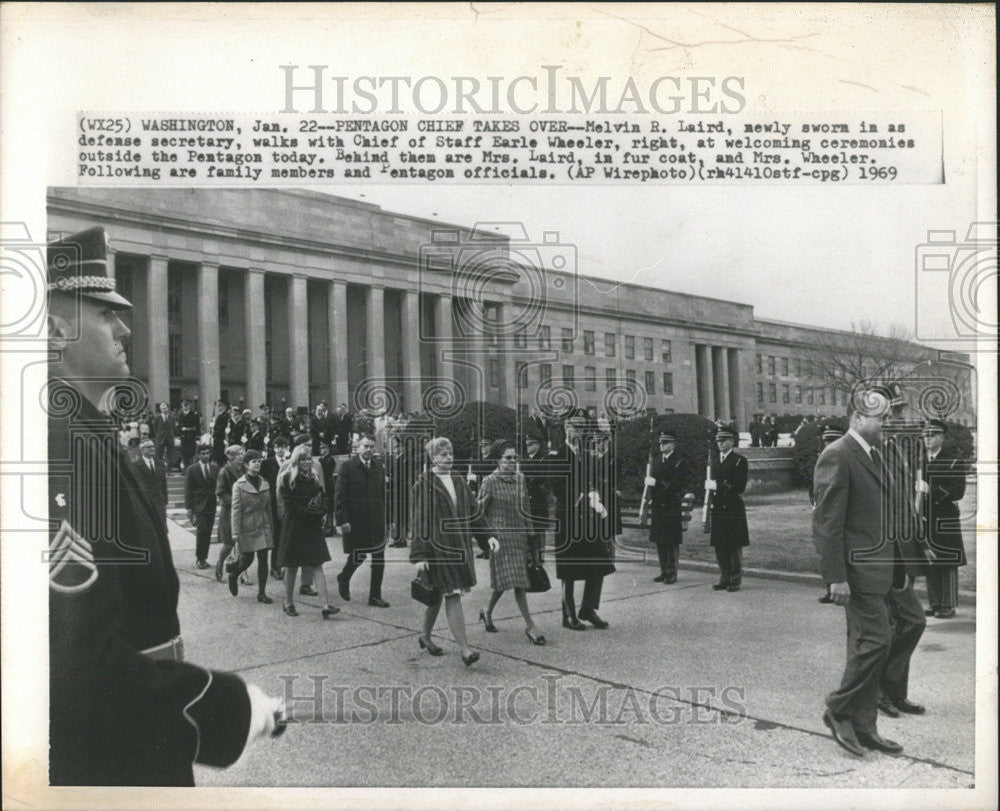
(163, 429)
(672, 480)
(939, 512)
(153, 484)
(189, 425)
(199, 492)
(344, 425)
(116, 716)
(360, 502)
(848, 520)
(321, 430)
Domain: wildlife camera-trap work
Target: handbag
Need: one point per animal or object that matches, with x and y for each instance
(424, 593)
(538, 578)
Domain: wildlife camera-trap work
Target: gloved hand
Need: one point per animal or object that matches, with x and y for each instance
(649, 481)
(494, 544)
(422, 566)
(710, 484)
(265, 712)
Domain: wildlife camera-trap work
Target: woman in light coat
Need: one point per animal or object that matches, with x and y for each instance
(252, 528)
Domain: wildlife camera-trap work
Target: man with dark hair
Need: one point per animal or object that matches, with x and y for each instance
(199, 501)
(344, 427)
(866, 572)
(125, 708)
(189, 425)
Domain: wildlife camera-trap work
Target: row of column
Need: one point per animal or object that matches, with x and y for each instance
(719, 386)
(209, 378)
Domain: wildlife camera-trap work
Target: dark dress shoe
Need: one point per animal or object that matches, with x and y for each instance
(377, 602)
(945, 614)
(670, 579)
(872, 740)
(719, 587)
(344, 589)
(843, 733)
(732, 587)
(430, 647)
(887, 707)
(826, 599)
(573, 624)
(308, 591)
(591, 616)
(202, 564)
(263, 598)
(329, 611)
(234, 584)
(662, 578)
(471, 659)
(930, 612)
(903, 705)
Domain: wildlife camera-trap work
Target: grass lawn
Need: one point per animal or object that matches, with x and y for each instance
(781, 535)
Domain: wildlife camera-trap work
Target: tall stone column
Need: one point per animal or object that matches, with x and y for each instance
(410, 335)
(209, 383)
(736, 405)
(703, 380)
(158, 330)
(508, 364)
(253, 327)
(720, 382)
(298, 342)
(111, 264)
(444, 344)
(375, 334)
(337, 320)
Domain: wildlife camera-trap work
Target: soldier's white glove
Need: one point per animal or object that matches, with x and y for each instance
(470, 476)
(649, 481)
(922, 487)
(422, 566)
(264, 712)
(494, 544)
(595, 503)
(710, 484)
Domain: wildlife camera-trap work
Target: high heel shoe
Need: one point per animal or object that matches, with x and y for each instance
(490, 627)
(329, 611)
(471, 659)
(534, 640)
(430, 647)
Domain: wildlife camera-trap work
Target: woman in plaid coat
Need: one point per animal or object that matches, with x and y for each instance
(503, 498)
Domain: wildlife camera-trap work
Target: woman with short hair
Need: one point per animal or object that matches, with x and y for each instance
(252, 528)
(228, 476)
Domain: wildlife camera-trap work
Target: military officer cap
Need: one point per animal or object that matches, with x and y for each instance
(832, 432)
(79, 264)
(725, 432)
(935, 427)
(668, 436)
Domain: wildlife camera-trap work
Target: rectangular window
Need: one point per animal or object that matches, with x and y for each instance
(784, 367)
(590, 378)
(798, 394)
(665, 354)
(521, 337)
(176, 367)
(588, 342)
(491, 315)
(567, 339)
(822, 396)
(772, 392)
(668, 383)
(494, 366)
(784, 393)
(630, 347)
(760, 392)
(760, 364)
(545, 337)
(647, 348)
(650, 383)
(798, 367)
(521, 374)
(609, 344)
(610, 377)
(630, 379)
(809, 396)
(568, 374)
(771, 365)
(545, 374)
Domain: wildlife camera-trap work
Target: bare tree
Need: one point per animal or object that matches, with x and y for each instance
(865, 353)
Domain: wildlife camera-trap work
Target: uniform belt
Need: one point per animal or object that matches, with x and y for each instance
(172, 650)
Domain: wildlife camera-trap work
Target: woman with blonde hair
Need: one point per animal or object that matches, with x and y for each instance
(302, 541)
(445, 518)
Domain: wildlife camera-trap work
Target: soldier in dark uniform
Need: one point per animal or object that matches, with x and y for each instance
(668, 481)
(189, 424)
(729, 516)
(536, 480)
(125, 708)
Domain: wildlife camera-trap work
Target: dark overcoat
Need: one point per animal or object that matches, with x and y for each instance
(729, 514)
(666, 524)
(360, 502)
(945, 476)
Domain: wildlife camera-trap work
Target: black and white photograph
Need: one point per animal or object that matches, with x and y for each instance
(508, 405)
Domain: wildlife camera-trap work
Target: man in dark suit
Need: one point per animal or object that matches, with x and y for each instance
(344, 428)
(360, 514)
(125, 708)
(939, 487)
(729, 515)
(866, 571)
(319, 427)
(189, 425)
(152, 476)
(199, 501)
(162, 430)
(668, 480)
(536, 481)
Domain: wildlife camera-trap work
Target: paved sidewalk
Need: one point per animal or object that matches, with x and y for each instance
(689, 687)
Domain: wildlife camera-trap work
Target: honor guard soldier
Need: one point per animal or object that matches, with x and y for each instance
(125, 708)
(668, 482)
(729, 516)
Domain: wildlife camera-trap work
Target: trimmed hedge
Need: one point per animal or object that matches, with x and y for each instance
(634, 442)
(473, 422)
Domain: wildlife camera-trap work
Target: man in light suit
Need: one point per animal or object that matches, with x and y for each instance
(199, 500)
(863, 559)
(152, 475)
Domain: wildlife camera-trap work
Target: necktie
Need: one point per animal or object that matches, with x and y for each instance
(204, 471)
(151, 466)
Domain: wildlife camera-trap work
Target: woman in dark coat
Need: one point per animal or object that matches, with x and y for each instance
(302, 541)
(219, 423)
(445, 517)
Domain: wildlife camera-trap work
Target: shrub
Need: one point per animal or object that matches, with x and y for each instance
(808, 444)
(634, 442)
(475, 421)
